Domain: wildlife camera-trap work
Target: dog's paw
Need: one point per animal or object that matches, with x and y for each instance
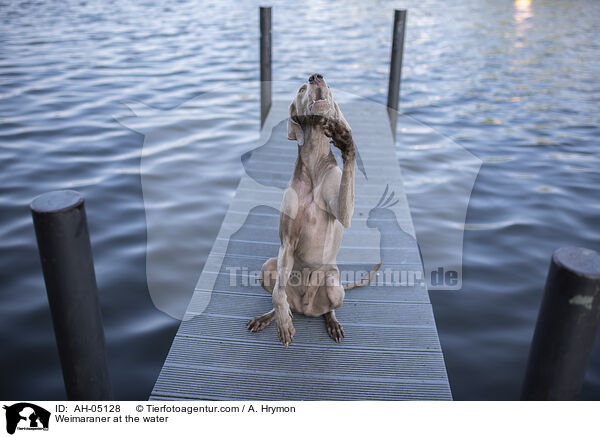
(341, 137)
(328, 127)
(335, 330)
(258, 323)
(286, 331)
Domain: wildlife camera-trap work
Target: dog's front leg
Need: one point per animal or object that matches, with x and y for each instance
(338, 189)
(283, 314)
(346, 193)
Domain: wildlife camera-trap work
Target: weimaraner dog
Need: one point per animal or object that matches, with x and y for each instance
(317, 204)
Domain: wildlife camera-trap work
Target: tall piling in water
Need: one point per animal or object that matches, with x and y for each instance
(396, 67)
(265, 63)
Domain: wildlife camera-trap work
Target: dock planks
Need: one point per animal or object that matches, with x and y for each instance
(391, 350)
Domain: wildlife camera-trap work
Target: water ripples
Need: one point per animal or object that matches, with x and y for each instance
(495, 77)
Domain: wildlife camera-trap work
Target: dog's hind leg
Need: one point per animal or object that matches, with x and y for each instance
(334, 329)
(268, 274)
(259, 323)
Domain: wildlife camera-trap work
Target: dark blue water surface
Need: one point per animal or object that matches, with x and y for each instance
(515, 83)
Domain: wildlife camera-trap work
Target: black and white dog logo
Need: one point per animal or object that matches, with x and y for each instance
(26, 416)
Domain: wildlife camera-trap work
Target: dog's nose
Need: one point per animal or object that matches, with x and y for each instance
(316, 79)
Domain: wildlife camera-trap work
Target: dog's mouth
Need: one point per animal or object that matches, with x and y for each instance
(318, 102)
(318, 106)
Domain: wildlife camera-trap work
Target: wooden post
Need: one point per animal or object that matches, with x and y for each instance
(566, 327)
(66, 254)
(396, 67)
(265, 63)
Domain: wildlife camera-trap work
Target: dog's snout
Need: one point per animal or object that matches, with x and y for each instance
(316, 79)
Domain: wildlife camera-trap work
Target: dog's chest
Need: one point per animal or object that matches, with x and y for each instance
(318, 237)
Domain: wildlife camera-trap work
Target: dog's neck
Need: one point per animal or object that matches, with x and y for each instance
(315, 153)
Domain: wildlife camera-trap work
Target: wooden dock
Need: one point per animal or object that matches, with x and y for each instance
(391, 350)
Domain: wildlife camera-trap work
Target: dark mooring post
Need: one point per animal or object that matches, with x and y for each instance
(566, 327)
(265, 63)
(396, 67)
(64, 244)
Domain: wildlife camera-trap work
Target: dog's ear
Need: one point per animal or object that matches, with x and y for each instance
(295, 131)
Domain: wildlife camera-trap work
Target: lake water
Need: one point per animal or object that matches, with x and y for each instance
(517, 84)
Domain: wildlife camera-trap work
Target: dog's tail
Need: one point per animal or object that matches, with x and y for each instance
(364, 281)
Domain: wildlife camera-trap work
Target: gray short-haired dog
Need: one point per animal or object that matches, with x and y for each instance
(317, 204)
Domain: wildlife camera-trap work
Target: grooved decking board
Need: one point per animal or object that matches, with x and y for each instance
(391, 350)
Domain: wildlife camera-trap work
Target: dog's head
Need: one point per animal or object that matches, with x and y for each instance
(314, 101)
